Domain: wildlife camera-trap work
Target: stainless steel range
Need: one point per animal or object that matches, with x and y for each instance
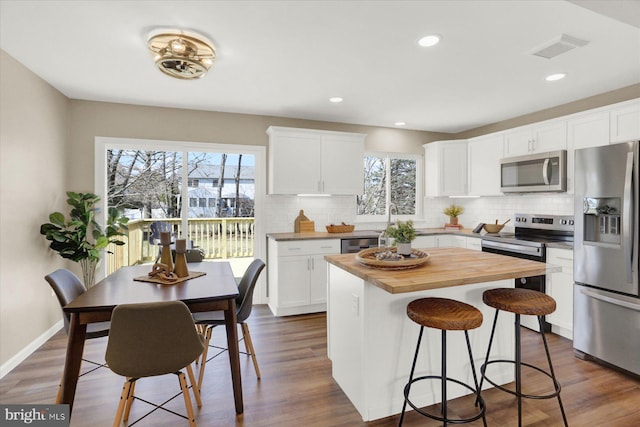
(529, 241)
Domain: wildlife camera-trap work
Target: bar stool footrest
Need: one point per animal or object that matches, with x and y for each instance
(479, 400)
(556, 384)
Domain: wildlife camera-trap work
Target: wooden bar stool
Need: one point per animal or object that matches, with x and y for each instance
(446, 315)
(521, 301)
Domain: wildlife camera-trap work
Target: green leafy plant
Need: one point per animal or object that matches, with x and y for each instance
(82, 238)
(453, 211)
(402, 232)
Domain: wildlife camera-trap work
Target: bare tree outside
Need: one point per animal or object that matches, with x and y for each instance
(403, 185)
(151, 181)
(373, 201)
(400, 174)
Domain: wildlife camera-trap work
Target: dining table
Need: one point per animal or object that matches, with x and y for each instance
(216, 290)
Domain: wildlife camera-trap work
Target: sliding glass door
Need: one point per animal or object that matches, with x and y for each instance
(205, 193)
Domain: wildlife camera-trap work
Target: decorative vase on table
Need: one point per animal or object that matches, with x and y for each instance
(453, 220)
(181, 268)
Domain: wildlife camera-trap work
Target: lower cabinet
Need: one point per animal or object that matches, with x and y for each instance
(560, 288)
(298, 275)
(444, 241)
(474, 243)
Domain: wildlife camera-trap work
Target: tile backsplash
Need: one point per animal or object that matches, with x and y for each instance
(281, 211)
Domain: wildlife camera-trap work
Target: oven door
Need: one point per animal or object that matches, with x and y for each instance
(536, 283)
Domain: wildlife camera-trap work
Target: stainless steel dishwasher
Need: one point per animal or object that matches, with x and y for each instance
(356, 244)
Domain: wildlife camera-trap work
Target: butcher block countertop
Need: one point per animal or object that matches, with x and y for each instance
(446, 267)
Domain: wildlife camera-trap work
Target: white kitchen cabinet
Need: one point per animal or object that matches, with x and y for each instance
(560, 288)
(589, 130)
(625, 123)
(298, 275)
(537, 138)
(422, 242)
(474, 243)
(439, 241)
(446, 168)
(307, 161)
(485, 153)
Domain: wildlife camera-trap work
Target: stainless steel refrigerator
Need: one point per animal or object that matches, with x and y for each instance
(606, 321)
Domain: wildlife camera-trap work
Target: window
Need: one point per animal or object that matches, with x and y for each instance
(390, 178)
(203, 202)
(193, 182)
(193, 202)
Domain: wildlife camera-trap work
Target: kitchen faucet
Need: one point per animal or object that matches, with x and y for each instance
(392, 207)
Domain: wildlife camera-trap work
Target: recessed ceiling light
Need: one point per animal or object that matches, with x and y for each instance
(430, 40)
(336, 99)
(400, 123)
(554, 77)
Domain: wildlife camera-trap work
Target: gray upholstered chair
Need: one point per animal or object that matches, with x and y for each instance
(67, 287)
(153, 339)
(244, 304)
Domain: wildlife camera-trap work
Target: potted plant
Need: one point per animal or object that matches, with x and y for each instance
(453, 212)
(403, 233)
(81, 239)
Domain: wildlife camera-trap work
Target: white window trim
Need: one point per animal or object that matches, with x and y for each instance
(102, 144)
(419, 187)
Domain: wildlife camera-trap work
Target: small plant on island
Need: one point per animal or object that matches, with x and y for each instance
(402, 232)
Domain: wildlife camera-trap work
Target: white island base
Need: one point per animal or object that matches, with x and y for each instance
(371, 343)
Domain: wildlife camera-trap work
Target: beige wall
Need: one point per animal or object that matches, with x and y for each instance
(90, 119)
(33, 141)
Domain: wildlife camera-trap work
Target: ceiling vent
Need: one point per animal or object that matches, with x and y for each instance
(558, 46)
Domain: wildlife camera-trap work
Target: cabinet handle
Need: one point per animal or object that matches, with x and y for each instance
(313, 264)
(294, 249)
(308, 263)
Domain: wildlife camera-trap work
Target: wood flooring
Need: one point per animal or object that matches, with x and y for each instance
(297, 390)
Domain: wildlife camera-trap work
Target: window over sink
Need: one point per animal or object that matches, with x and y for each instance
(390, 178)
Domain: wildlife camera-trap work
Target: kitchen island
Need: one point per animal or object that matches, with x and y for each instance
(371, 340)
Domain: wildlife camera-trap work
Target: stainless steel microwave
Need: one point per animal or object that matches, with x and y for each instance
(534, 173)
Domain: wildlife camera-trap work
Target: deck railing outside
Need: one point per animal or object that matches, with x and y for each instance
(220, 238)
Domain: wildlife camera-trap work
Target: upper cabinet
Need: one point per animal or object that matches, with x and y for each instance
(445, 168)
(536, 138)
(625, 123)
(307, 161)
(485, 153)
(589, 130)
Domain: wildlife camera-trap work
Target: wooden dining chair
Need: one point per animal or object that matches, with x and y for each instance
(244, 303)
(151, 339)
(67, 287)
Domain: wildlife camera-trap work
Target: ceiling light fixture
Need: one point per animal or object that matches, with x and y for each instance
(430, 40)
(400, 123)
(180, 55)
(555, 77)
(336, 99)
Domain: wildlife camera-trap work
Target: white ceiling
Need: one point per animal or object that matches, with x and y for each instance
(287, 58)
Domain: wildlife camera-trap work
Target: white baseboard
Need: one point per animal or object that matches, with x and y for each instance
(26, 352)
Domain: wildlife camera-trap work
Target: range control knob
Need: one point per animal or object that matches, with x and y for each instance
(570, 222)
(563, 221)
